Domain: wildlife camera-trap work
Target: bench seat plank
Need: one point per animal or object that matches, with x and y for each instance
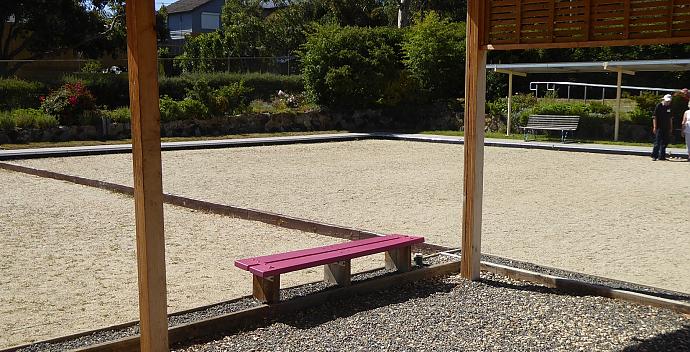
(248, 262)
(297, 260)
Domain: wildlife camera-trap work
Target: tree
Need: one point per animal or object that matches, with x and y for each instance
(243, 28)
(435, 56)
(34, 29)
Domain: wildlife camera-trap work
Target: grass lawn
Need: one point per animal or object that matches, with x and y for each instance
(519, 136)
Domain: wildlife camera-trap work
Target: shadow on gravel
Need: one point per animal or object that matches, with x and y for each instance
(526, 287)
(575, 291)
(678, 340)
(316, 316)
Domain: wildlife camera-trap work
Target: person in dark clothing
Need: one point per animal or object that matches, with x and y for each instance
(661, 124)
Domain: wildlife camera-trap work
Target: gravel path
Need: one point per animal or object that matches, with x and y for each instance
(622, 217)
(68, 262)
(451, 314)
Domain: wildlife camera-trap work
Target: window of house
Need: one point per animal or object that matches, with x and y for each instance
(210, 20)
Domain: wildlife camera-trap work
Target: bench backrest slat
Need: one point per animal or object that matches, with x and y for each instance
(297, 260)
(553, 121)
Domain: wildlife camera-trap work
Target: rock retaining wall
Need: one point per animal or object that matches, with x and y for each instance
(432, 118)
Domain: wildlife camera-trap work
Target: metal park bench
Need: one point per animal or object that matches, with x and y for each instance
(334, 258)
(563, 123)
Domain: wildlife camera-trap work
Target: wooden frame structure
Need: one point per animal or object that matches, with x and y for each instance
(491, 25)
(543, 24)
(618, 67)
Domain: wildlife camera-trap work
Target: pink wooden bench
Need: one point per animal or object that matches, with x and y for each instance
(334, 258)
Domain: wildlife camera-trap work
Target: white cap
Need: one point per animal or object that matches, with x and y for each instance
(667, 97)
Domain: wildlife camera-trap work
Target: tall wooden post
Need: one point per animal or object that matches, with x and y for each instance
(148, 185)
(475, 92)
(618, 105)
(510, 102)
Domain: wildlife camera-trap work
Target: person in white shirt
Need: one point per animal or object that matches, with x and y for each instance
(686, 129)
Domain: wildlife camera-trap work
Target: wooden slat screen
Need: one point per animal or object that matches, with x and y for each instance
(523, 24)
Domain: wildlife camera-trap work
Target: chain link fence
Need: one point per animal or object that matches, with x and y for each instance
(46, 70)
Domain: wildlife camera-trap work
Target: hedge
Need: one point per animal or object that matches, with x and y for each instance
(353, 67)
(112, 90)
(16, 93)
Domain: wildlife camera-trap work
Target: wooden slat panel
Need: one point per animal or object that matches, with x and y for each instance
(539, 22)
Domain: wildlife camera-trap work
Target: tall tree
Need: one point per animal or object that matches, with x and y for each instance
(34, 29)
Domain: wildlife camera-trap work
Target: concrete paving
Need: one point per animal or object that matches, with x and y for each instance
(324, 138)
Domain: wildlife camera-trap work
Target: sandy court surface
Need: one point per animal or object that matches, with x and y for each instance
(68, 261)
(622, 217)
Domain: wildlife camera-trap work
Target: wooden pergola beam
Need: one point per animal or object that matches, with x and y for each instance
(142, 53)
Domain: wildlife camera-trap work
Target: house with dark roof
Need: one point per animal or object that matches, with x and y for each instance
(189, 17)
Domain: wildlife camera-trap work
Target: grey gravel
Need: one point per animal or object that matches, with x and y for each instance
(450, 314)
(617, 284)
(515, 295)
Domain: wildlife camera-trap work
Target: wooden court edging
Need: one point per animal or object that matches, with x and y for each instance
(584, 288)
(263, 314)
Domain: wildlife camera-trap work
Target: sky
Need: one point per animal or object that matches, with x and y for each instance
(163, 2)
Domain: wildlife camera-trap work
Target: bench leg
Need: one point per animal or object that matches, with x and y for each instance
(267, 289)
(338, 273)
(399, 259)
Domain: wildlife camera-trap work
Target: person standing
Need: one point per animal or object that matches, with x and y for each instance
(685, 125)
(661, 127)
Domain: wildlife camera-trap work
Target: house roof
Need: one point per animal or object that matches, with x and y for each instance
(185, 5)
(190, 5)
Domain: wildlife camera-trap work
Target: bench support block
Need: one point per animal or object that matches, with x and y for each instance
(338, 273)
(399, 259)
(267, 289)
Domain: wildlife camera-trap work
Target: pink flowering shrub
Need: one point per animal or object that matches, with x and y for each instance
(69, 103)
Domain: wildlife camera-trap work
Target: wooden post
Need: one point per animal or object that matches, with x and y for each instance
(148, 185)
(338, 273)
(475, 93)
(510, 102)
(399, 259)
(618, 105)
(266, 289)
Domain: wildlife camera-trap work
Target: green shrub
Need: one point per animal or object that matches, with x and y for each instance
(201, 53)
(16, 93)
(121, 115)
(186, 109)
(261, 85)
(192, 109)
(92, 66)
(26, 118)
(594, 118)
(434, 52)
(596, 107)
(6, 121)
(233, 98)
(646, 102)
(109, 89)
(170, 111)
(112, 90)
(520, 103)
(640, 117)
(69, 103)
(351, 67)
